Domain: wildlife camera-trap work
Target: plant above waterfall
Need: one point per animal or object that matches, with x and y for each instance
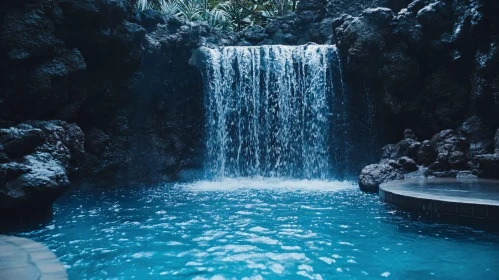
(224, 14)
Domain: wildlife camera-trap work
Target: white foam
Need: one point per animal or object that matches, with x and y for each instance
(306, 267)
(243, 257)
(306, 275)
(233, 248)
(277, 268)
(257, 277)
(258, 229)
(287, 256)
(264, 240)
(327, 260)
(174, 243)
(259, 183)
(141, 255)
(291, 247)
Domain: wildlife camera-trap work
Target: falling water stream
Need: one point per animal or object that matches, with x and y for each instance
(275, 111)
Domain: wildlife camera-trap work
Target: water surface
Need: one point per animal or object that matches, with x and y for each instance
(256, 229)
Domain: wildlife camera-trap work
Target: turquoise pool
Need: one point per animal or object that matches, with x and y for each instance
(256, 229)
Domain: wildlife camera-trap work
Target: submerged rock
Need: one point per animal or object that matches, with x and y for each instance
(375, 174)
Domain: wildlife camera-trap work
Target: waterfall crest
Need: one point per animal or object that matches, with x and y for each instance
(275, 111)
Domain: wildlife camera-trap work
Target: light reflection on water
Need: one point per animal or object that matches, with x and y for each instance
(256, 229)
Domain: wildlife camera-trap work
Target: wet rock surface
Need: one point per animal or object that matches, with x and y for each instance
(375, 174)
(39, 158)
(432, 65)
(447, 154)
(122, 76)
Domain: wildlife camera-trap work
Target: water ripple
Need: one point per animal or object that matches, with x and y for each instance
(256, 231)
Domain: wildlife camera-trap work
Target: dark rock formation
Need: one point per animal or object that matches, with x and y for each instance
(432, 65)
(496, 142)
(408, 146)
(312, 22)
(447, 154)
(480, 135)
(488, 165)
(167, 122)
(38, 157)
(408, 164)
(447, 141)
(122, 76)
(375, 174)
(426, 154)
(136, 97)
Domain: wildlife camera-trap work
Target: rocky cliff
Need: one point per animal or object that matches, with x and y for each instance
(115, 79)
(433, 67)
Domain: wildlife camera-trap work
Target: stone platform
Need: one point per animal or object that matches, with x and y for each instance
(21, 259)
(461, 201)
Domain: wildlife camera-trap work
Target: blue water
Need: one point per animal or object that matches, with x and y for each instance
(239, 229)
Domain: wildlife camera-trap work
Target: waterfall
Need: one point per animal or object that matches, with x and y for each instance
(275, 111)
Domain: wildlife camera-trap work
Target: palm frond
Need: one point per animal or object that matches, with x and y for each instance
(143, 5)
(189, 10)
(225, 14)
(219, 16)
(169, 8)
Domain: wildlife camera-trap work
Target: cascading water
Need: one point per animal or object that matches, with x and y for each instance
(275, 111)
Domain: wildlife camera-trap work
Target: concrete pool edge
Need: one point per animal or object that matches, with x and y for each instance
(22, 258)
(462, 210)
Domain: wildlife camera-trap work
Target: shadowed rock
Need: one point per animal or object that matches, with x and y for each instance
(488, 165)
(496, 141)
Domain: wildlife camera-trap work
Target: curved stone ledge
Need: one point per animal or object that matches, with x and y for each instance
(461, 201)
(21, 259)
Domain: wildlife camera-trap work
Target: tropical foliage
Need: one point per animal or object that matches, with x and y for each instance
(225, 14)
